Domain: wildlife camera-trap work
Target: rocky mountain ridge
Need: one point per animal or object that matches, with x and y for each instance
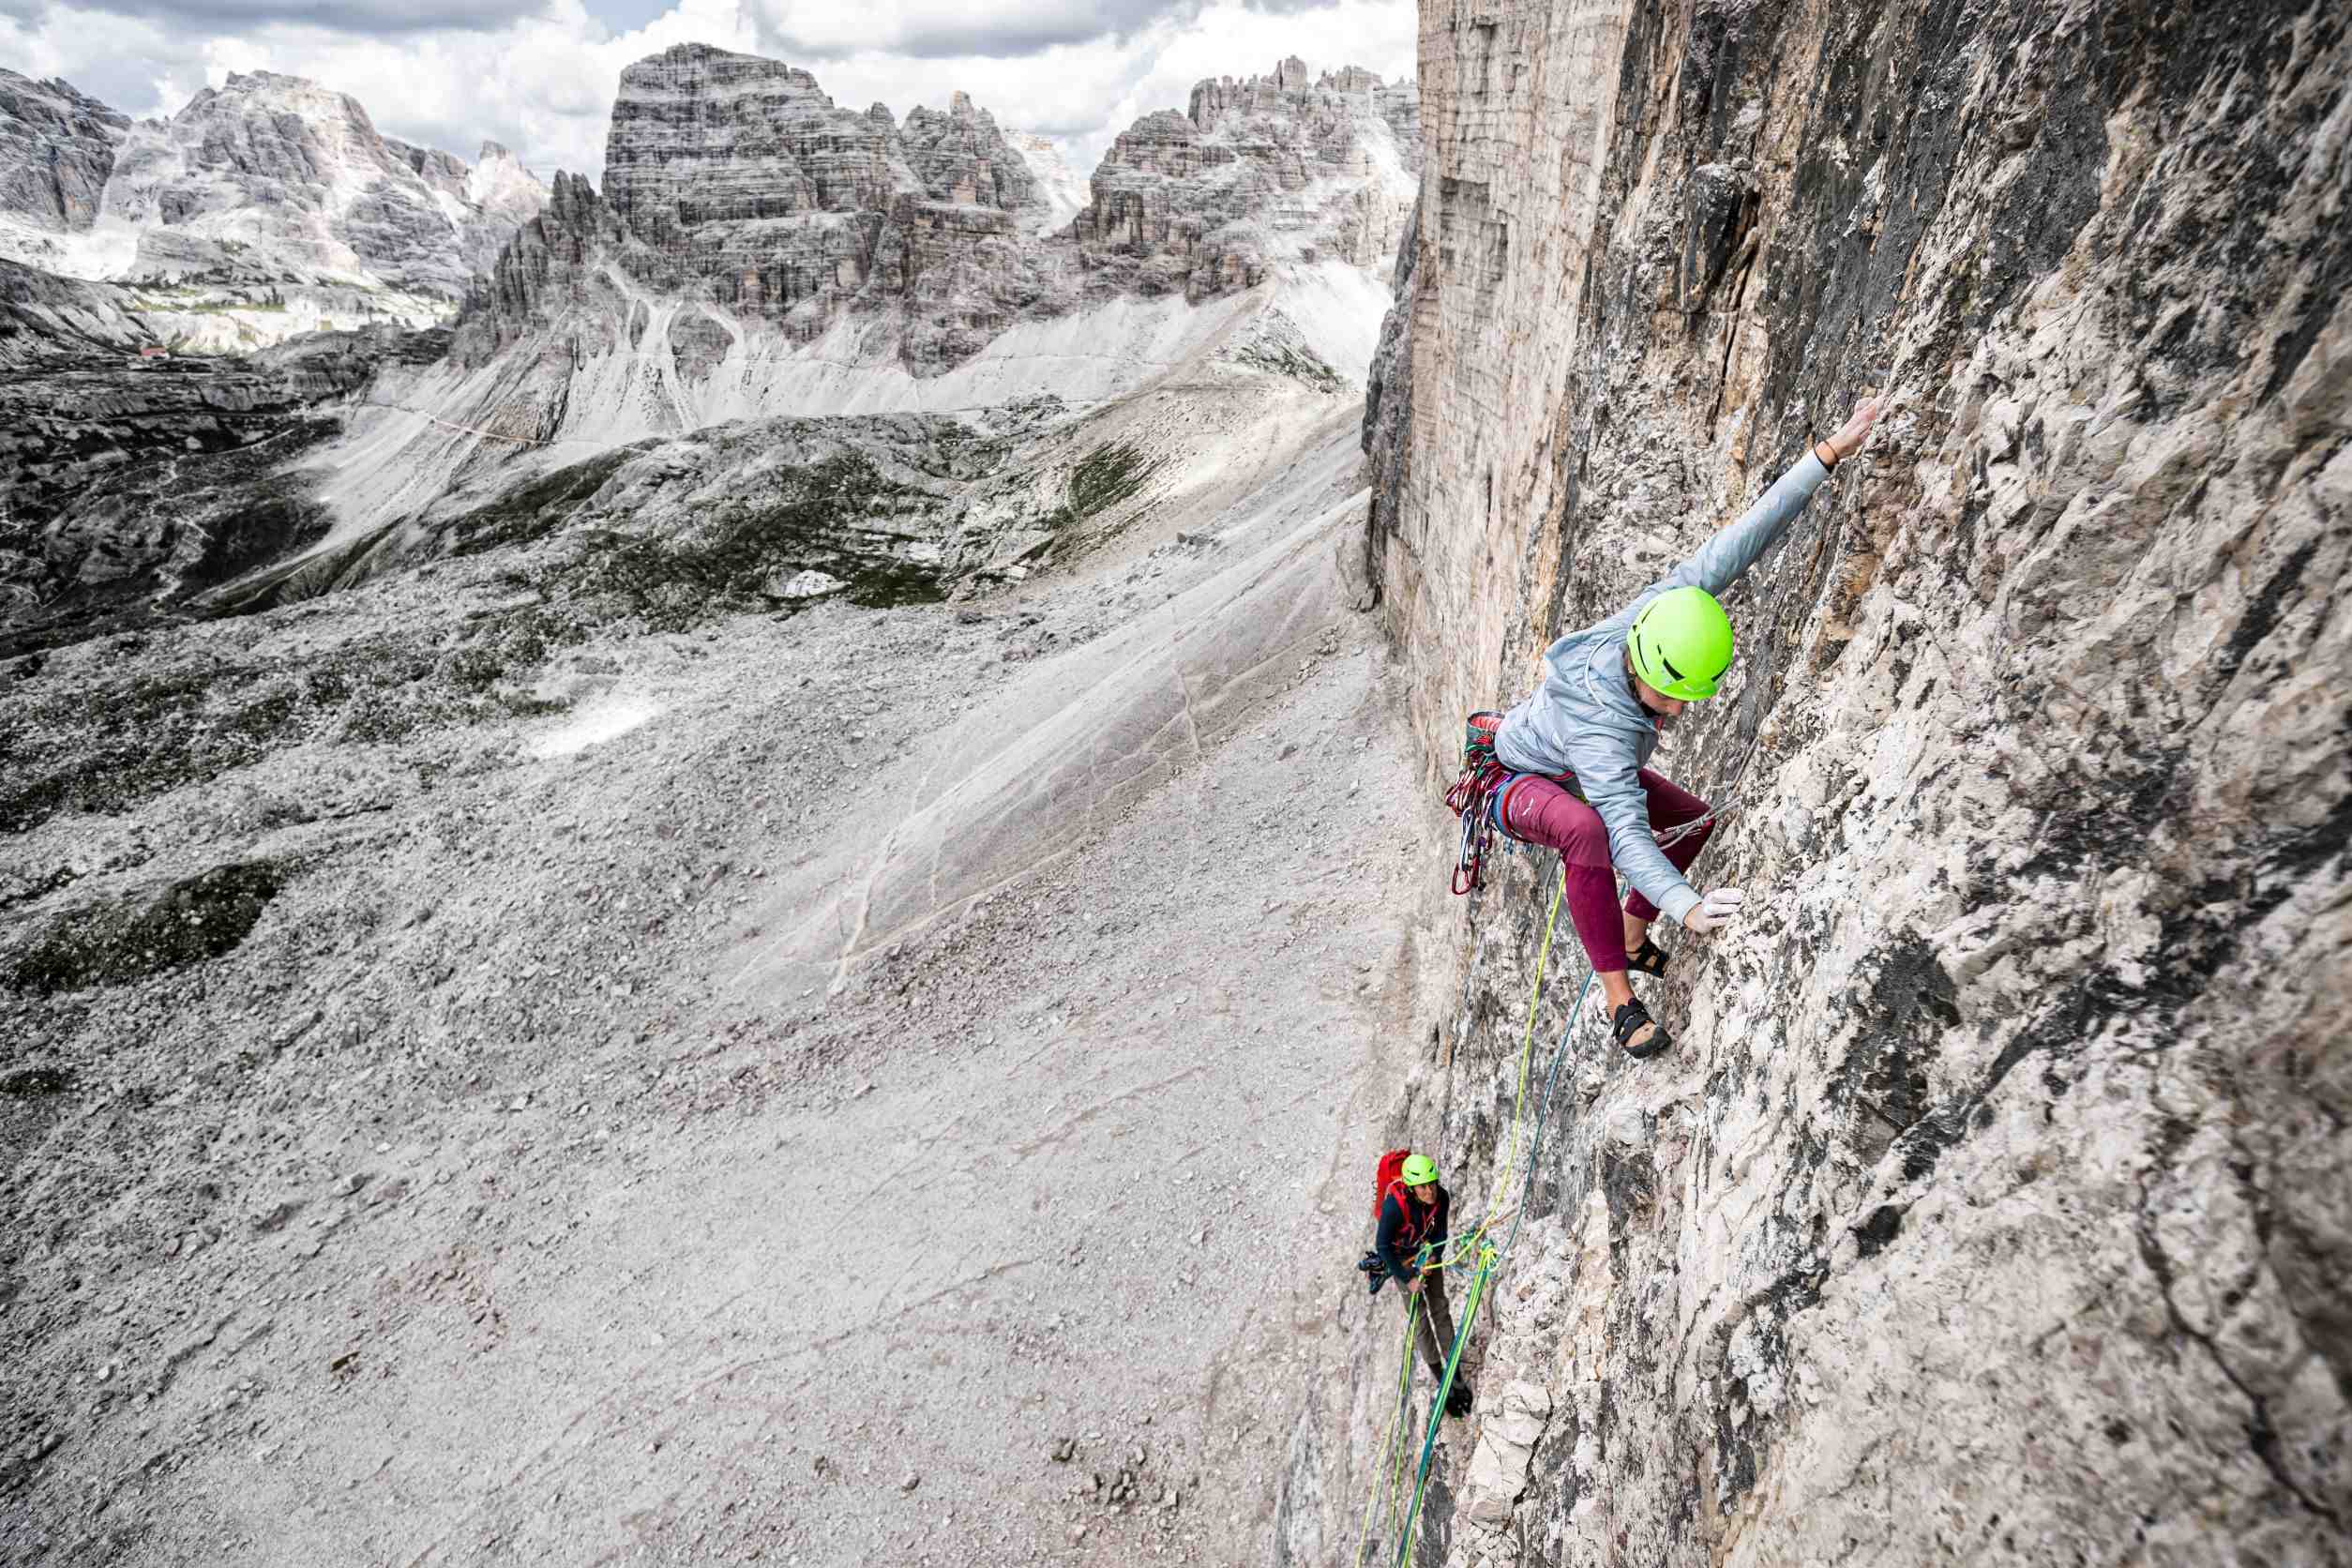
(275, 174)
(57, 150)
(133, 479)
(1254, 173)
(758, 250)
(269, 201)
(744, 190)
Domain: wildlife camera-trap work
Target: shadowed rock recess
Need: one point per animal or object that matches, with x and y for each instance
(1995, 1202)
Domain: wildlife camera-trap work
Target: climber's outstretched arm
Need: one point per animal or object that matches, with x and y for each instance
(1722, 560)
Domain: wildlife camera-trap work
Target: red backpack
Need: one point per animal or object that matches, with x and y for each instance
(1390, 1175)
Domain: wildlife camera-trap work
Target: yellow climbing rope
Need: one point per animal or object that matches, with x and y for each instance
(1468, 1245)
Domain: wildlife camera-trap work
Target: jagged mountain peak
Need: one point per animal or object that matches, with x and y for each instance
(266, 180)
(1256, 172)
(746, 219)
(57, 150)
(274, 92)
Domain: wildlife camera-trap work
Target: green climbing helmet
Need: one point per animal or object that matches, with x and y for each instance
(1681, 643)
(1420, 1171)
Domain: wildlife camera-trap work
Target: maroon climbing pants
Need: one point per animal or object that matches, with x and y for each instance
(1535, 811)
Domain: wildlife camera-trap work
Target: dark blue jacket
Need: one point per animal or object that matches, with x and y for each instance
(1391, 1241)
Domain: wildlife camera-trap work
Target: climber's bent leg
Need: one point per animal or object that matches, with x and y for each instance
(1538, 811)
(1670, 807)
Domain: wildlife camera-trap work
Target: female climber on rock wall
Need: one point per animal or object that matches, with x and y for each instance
(1577, 747)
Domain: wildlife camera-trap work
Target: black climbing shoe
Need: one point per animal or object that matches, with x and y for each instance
(1458, 1403)
(1377, 1271)
(1649, 959)
(1628, 1019)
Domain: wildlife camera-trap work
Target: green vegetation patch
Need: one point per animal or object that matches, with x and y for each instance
(1108, 476)
(1296, 361)
(816, 518)
(536, 510)
(113, 941)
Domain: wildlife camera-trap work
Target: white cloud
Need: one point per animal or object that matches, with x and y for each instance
(544, 84)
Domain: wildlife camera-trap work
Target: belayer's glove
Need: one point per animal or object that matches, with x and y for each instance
(1716, 911)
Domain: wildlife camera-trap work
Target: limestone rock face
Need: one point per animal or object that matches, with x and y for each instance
(487, 201)
(733, 183)
(746, 217)
(1269, 169)
(57, 150)
(1993, 1203)
(1062, 192)
(265, 183)
(130, 479)
(1508, 1434)
(1388, 397)
(551, 272)
(746, 177)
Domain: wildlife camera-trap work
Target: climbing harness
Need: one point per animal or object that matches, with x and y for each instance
(1481, 797)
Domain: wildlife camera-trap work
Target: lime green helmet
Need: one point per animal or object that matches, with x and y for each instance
(1681, 643)
(1420, 1169)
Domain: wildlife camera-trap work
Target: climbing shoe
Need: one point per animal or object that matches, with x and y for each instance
(1457, 1402)
(1649, 959)
(1370, 1263)
(1626, 1022)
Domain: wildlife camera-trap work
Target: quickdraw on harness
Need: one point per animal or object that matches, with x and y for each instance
(1472, 795)
(1480, 794)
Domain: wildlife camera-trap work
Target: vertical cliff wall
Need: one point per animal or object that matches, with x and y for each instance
(1995, 1202)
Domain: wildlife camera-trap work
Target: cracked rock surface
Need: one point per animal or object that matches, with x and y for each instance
(1995, 1202)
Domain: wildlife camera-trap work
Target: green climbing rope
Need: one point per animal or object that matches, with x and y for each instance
(1487, 1256)
(1489, 1260)
(1392, 1449)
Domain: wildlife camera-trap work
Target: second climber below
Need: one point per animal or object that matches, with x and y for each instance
(1576, 747)
(1411, 1233)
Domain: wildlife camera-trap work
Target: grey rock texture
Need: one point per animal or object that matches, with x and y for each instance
(270, 179)
(42, 315)
(551, 273)
(57, 150)
(488, 200)
(745, 215)
(1271, 168)
(323, 925)
(127, 485)
(746, 187)
(1388, 401)
(1995, 1202)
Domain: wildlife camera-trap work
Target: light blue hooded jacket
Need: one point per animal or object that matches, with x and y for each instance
(1585, 719)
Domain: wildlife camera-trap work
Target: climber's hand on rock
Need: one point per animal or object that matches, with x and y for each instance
(1715, 912)
(1856, 431)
